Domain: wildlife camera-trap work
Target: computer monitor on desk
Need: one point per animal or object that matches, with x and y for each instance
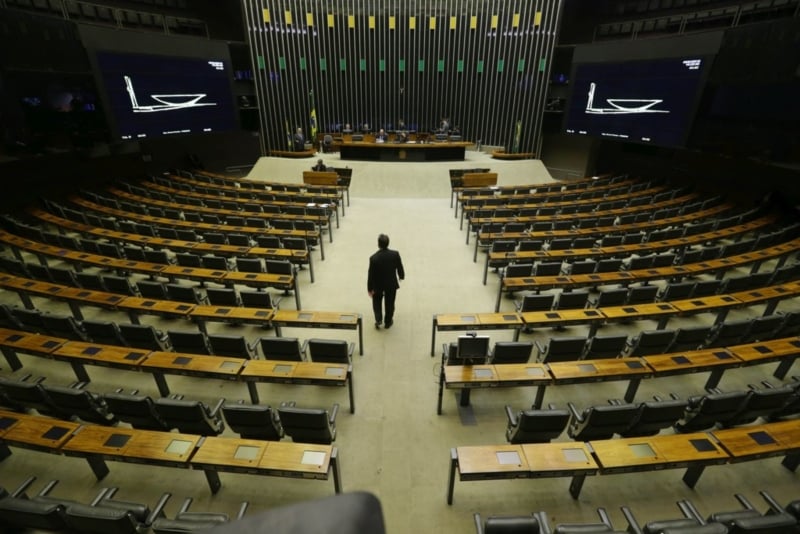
(471, 350)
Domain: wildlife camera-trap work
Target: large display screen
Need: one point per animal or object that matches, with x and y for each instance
(645, 101)
(153, 95)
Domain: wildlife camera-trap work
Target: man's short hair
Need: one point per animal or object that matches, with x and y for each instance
(383, 241)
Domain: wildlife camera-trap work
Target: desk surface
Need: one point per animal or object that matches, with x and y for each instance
(597, 370)
(648, 453)
(132, 445)
(97, 354)
(750, 442)
(40, 433)
(193, 364)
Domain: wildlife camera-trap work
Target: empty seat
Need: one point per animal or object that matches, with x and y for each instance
(548, 268)
(605, 346)
(568, 300)
(535, 426)
(144, 337)
(539, 302)
(675, 291)
(644, 294)
(65, 326)
(80, 403)
(600, 422)
(136, 410)
(152, 289)
(103, 332)
(190, 342)
(610, 297)
(281, 348)
(223, 296)
(191, 416)
(511, 352)
(253, 421)
(233, 346)
(309, 425)
(182, 293)
(120, 284)
(655, 415)
(706, 411)
(329, 350)
(649, 342)
(689, 338)
(559, 349)
(728, 333)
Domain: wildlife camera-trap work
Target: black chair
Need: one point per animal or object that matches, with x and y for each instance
(191, 416)
(643, 294)
(152, 289)
(120, 284)
(107, 515)
(223, 296)
(20, 513)
(187, 259)
(547, 268)
(160, 256)
(281, 348)
(185, 521)
(309, 425)
(688, 524)
(80, 403)
(103, 332)
(655, 415)
(570, 300)
(649, 342)
(329, 350)
(28, 394)
(582, 267)
(144, 336)
(279, 267)
(560, 349)
(707, 411)
(188, 294)
(535, 523)
(65, 326)
(511, 352)
(728, 333)
(761, 402)
(233, 346)
(91, 281)
(137, 410)
(706, 288)
(259, 299)
(249, 265)
(518, 270)
(31, 320)
(689, 338)
(610, 297)
(539, 302)
(608, 265)
(190, 342)
(605, 346)
(253, 421)
(217, 263)
(600, 422)
(675, 291)
(535, 426)
(762, 328)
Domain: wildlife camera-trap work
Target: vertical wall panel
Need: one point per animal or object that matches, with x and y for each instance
(476, 62)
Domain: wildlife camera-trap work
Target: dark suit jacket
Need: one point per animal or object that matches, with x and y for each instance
(385, 267)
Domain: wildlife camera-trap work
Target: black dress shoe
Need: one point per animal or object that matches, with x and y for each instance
(378, 325)
(389, 324)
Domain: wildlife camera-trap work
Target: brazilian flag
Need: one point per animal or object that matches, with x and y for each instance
(312, 118)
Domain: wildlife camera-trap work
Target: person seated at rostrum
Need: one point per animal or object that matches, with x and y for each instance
(381, 136)
(320, 166)
(347, 128)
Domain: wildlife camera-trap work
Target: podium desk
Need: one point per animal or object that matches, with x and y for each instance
(783, 350)
(763, 441)
(475, 321)
(694, 361)
(298, 373)
(536, 460)
(602, 370)
(200, 365)
(468, 377)
(13, 341)
(80, 353)
(98, 443)
(320, 319)
(692, 451)
(203, 313)
(555, 318)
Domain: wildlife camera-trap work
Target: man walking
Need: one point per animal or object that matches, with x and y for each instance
(385, 267)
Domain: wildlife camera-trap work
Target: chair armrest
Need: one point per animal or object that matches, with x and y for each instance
(334, 412)
(47, 488)
(689, 510)
(351, 349)
(574, 411)
(744, 502)
(539, 348)
(304, 347)
(544, 522)
(187, 502)
(512, 419)
(478, 523)
(276, 302)
(215, 410)
(633, 524)
(774, 505)
(19, 491)
(604, 517)
(242, 510)
(105, 493)
(158, 509)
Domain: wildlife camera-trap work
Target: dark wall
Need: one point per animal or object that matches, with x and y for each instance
(213, 152)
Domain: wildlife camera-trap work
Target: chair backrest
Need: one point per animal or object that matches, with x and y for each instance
(572, 300)
(567, 348)
(218, 263)
(192, 342)
(676, 290)
(119, 284)
(228, 345)
(143, 336)
(651, 342)
(538, 302)
(152, 289)
(705, 411)
(511, 352)
(253, 421)
(654, 416)
(31, 320)
(183, 293)
(29, 394)
(608, 265)
(278, 266)
(81, 403)
(689, 338)
(642, 294)
(307, 425)
(256, 299)
(538, 426)
(64, 326)
(249, 265)
(223, 296)
(105, 332)
(189, 416)
(518, 270)
(602, 422)
(28, 514)
(136, 410)
(762, 402)
(612, 297)
(762, 328)
(547, 268)
(605, 346)
(281, 348)
(328, 350)
(102, 519)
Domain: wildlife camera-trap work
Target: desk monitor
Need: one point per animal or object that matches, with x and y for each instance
(472, 350)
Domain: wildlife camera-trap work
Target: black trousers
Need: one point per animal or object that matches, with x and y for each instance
(383, 305)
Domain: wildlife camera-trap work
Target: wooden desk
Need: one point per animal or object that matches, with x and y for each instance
(660, 311)
(160, 363)
(475, 321)
(305, 373)
(468, 377)
(269, 458)
(556, 318)
(37, 433)
(784, 350)
(79, 353)
(763, 441)
(536, 460)
(444, 151)
(12, 341)
(320, 319)
(237, 314)
(692, 451)
(263, 280)
(98, 443)
(694, 361)
(135, 306)
(329, 178)
(603, 370)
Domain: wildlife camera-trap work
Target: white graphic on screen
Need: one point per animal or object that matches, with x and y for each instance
(623, 106)
(167, 102)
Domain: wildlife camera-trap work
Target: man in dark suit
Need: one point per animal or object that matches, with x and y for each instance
(299, 140)
(385, 267)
